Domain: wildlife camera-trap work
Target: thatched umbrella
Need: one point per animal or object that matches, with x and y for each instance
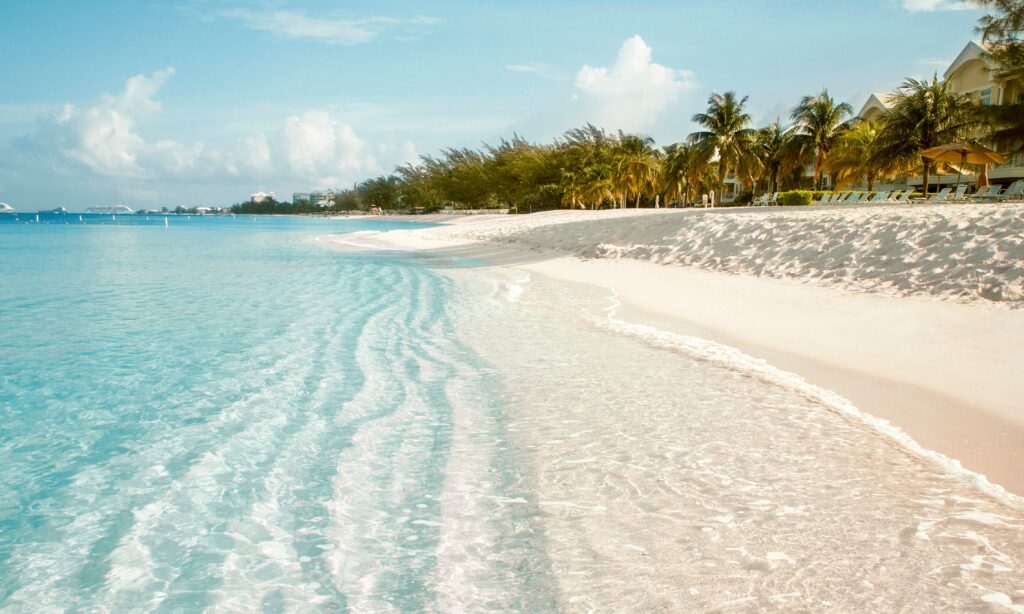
(964, 153)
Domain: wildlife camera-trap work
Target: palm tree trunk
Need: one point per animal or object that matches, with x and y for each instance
(818, 163)
(721, 185)
(927, 168)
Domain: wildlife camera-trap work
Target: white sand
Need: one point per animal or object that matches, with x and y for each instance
(962, 252)
(670, 473)
(821, 292)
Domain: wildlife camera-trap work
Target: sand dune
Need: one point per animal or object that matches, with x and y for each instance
(956, 252)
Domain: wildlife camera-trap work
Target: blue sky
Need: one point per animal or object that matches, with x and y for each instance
(205, 101)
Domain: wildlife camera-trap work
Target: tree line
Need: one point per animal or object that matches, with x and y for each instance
(591, 168)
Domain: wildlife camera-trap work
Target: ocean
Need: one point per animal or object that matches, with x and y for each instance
(234, 415)
(224, 413)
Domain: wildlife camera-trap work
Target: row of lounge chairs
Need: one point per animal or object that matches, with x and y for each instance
(1015, 191)
(836, 198)
(992, 193)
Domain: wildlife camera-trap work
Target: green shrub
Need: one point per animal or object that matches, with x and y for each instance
(796, 198)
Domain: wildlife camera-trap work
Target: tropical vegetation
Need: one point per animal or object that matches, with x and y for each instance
(590, 168)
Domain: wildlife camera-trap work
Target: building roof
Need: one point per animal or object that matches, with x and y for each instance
(974, 50)
(880, 100)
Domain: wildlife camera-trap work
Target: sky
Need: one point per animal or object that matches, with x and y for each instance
(204, 102)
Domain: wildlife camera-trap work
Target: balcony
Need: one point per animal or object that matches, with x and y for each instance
(1012, 168)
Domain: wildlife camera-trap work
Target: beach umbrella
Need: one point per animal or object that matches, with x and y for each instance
(982, 177)
(964, 153)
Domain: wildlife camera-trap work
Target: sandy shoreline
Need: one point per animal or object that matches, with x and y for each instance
(945, 372)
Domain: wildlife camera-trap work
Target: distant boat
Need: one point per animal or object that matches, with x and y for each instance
(57, 211)
(113, 209)
(5, 208)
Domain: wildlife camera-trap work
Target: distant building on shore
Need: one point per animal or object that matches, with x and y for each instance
(323, 198)
(259, 197)
(112, 209)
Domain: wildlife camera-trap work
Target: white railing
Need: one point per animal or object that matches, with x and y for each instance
(1012, 161)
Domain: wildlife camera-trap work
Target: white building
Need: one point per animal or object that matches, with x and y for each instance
(974, 74)
(259, 197)
(110, 209)
(324, 198)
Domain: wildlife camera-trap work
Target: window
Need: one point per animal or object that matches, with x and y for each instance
(986, 97)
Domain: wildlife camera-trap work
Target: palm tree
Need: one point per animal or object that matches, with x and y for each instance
(819, 120)
(923, 114)
(637, 166)
(1001, 29)
(572, 190)
(778, 151)
(854, 156)
(682, 168)
(598, 187)
(726, 132)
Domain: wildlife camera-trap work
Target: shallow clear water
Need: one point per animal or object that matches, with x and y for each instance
(676, 474)
(224, 413)
(230, 415)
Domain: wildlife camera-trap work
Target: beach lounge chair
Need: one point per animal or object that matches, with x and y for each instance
(774, 199)
(960, 194)
(836, 198)
(826, 198)
(855, 197)
(760, 200)
(879, 197)
(905, 198)
(941, 196)
(1014, 192)
(989, 193)
(894, 197)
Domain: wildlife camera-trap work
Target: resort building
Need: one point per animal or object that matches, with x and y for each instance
(320, 199)
(259, 197)
(972, 73)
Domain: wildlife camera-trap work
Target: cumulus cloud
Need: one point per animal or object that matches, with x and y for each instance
(927, 6)
(103, 135)
(102, 144)
(331, 30)
(318, 146)
(633, 91)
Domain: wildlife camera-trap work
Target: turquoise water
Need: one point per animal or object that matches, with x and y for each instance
(224, 413)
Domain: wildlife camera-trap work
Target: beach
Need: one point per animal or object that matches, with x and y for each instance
(925, 332)
(711, 425)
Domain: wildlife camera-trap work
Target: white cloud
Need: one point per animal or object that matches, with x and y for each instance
(936, 62)
(102, 136)
(533, 68)
(928, 6)
(100, 147)
(332, 30)
(318, 147)
(632, 93)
